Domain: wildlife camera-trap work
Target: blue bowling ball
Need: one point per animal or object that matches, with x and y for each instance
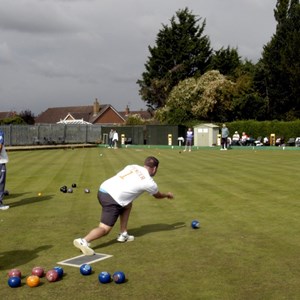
(195, 224)
(86, 269)
(59, 270)
(14, 281)
(104, 277)
(119, 277)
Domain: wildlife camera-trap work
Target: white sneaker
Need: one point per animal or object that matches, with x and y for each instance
(4, 207)
(83, 246)
(125, 237)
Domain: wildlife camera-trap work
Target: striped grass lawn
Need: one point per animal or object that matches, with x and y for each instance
(247, 201)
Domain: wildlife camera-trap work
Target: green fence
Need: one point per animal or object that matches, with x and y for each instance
(19, 135)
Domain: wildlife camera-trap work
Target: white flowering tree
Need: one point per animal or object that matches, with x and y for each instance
(207, 97)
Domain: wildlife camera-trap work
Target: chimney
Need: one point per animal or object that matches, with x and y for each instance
(96, 107)
(127, 110)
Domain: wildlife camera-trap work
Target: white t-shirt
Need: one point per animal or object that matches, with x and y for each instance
(3, 154)
(116, 136)
(129, 183)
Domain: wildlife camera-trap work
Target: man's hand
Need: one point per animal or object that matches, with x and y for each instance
(170, 195)
(160, 195)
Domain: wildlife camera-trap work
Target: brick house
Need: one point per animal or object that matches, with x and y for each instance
(90, 114)
(93, 114)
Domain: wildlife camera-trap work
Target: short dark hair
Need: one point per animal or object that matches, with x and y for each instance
(151, 162)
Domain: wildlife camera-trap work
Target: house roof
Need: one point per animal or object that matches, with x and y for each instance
(144, 114)
(91, 114)
(56, 114)
(69, 119)
(81, 113)
(210, 125)
(7, 114)
(74, 122)
(102, 111)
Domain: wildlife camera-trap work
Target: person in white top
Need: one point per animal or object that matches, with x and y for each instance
(236, 138)
(3, 162)
(189, 140)
(116, 195)
(110, 138)
(115, 139)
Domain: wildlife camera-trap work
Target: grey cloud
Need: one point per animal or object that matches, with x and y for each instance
(35, 17)
(5, 54)
(67, 52)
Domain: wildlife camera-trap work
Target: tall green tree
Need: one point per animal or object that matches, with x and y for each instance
(182, 51)
(247, 103)
(278, 72)
(225, 60)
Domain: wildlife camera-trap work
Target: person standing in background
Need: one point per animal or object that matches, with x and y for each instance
(3, 162)
(110, 138)
(189, 140)
(224, 137)
(115, 139)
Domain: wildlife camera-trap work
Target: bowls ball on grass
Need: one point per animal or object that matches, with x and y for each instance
(74, 185)
(64, 189)
(119, 277)
(52, 275)
(14, 281)
(104, 277)
(86, 190)
(38, 271)
(33, 280)
(59, 270)
(195, 224)
(14, 273)
(86, 269)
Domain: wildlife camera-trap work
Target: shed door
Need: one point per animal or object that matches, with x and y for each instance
(203, 136)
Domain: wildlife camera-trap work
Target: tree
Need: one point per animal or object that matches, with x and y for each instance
(135, 119)
(27, 116)
(247, 103)
(225, 60)
(278, 72)
(249, 106)
(207, 98)
(15, 120)
(182, 51)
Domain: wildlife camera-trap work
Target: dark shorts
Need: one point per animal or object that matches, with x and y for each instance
(111, 210)
(224, 140)
(189, 142)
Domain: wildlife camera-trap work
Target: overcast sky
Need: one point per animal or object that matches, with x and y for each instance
(69, 52)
